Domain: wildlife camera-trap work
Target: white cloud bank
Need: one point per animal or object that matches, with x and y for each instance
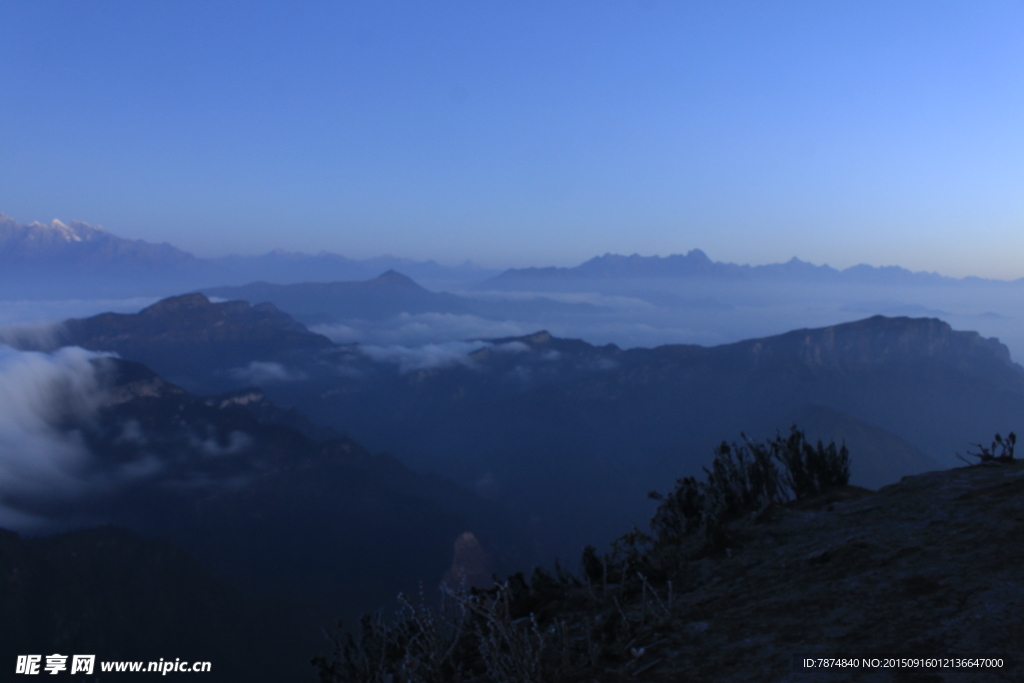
(261, 372)
(428, 356)
(424, 357)
(408, 329)
(39, 393)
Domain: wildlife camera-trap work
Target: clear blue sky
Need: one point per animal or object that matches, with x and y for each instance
(517, 133)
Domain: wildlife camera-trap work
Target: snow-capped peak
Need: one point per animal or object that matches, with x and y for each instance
(58, 229)
(70, 234)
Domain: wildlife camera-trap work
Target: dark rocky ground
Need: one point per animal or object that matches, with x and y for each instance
(930, 567)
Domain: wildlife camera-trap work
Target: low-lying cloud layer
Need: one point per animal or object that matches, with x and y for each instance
(52, 407)
(261, 372)
(423, 328)
(424, 357)
(39, 393)
(412, 358)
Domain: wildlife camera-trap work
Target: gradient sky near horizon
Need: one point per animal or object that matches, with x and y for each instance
(526, 133)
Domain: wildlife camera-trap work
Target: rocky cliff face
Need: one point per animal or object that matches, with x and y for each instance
(880, 341)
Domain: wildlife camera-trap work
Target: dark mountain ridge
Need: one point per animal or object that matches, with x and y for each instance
(191, 339)
(571, 435)
(568, 431)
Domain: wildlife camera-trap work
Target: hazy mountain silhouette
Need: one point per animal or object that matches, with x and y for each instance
(82, 245)
(68, 253)
(388, 295)
(695, 264)
(49, 260)
(41, 260)
(314, 302)
(281, 266)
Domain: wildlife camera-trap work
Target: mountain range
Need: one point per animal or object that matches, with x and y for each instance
(41, 260)
(388, 295)
(78, 248)
(626, 300)
(228, 450)
(695, 264)
(567, 435)
(80, 245)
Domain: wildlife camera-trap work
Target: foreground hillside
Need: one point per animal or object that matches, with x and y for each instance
(931, 567)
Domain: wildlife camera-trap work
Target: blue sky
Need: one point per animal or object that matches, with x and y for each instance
(526, 133)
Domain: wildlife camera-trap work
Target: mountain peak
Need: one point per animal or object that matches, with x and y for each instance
(59, 230)
(177, 303)
(392, 278)
(538, 338)
(84, 248)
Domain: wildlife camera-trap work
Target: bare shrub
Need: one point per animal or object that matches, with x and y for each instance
(1005, 448)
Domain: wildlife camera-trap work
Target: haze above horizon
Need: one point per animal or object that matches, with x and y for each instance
(526, 134)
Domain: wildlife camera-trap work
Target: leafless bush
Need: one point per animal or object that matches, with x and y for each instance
(988, 455)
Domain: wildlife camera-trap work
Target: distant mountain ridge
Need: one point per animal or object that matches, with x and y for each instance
(696, 264)
(387, 295)
(286, 267)
(82, 245)
(47, 259)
